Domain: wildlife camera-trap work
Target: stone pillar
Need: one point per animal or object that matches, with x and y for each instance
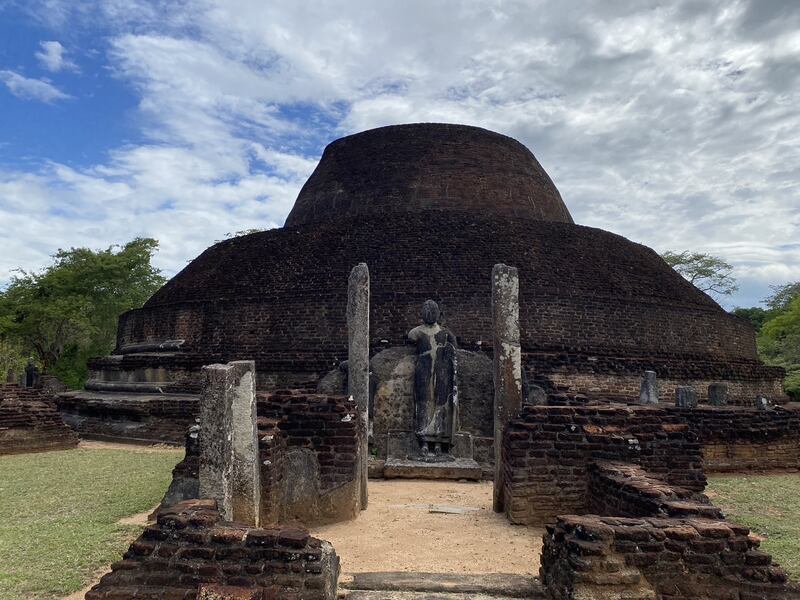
(11, 377)
(685, 397)
(763, 403)
(358, 362)
(718, 394)
(507, 363)
(649, 390)
(229, 464)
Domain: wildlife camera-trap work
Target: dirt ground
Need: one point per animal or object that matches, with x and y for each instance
(96, 445)
(409, 526)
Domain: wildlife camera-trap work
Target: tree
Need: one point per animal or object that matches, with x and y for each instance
(782, 296)
(779, 344)
(708, 273)
(68, 312)
(756, 315)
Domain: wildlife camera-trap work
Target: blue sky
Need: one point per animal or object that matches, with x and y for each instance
(674, 124)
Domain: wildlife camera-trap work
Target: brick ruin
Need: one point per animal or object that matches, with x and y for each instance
(191, 551)
(30, 422)
(551, 363)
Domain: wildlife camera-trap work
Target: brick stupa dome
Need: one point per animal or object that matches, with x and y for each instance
(430, 209)
(428, 166)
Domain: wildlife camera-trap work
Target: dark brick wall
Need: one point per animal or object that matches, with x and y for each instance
(628, 490)
(548, 450)
(680, 559)
(738, 439)
(321, 430)
(324, 429)
(591, 301)
(30, 422)
(190, 546)
(152, 418)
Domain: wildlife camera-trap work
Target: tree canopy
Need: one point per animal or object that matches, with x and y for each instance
(708, 273)
(779, 338)
(68, 312)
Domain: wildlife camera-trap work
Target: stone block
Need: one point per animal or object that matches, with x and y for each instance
(685, 397)
(718, 394)
(229, 469)
(648, 393)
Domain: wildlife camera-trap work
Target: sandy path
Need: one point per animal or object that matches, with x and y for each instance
(399, 533)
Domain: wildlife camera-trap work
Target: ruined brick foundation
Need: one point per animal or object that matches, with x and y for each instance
(307, 452)
(190, 547)
(29, 422)
(651, 558)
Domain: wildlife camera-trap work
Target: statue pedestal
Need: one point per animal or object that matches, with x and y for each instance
(458, 468)
(404, 461)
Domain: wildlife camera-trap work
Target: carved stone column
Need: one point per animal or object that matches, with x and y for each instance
(507, 363)
(358, 361)
(229, 465)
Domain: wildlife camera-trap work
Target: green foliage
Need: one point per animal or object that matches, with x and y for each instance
(68, 312)
(61, 513)
(779, 340)
(12, 358)
(707, 273)
(756, 315)
(782, 296)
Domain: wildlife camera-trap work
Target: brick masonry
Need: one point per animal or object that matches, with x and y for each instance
(648, 558)
(548, 452)
(190, 546)
(625, 489)
(307, 450)
(146, 418)
(591, 302)
(739, 439)
(30, 422)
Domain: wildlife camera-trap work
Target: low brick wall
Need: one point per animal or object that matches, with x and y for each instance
(308, 457)
(191, 546)
(29, 422)
(625, 489)
(641, 559)
(143, 418)
(739, 439)
(547, 452)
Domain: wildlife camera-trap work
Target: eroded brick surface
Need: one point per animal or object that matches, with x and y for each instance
(29, 422)
(680, 559)
(191, 546)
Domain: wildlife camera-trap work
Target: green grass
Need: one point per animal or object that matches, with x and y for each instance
(58, 525)
(770, 506)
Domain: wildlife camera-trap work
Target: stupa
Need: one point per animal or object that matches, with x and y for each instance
(430, 208)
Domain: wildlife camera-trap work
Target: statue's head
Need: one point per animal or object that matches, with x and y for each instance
(430, 312)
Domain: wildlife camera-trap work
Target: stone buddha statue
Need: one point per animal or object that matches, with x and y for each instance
(435, 394)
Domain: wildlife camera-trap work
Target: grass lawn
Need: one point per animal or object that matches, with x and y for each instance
(60, 510)
(770, 506)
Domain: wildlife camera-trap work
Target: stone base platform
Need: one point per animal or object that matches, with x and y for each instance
(460, 468)
(129, 417)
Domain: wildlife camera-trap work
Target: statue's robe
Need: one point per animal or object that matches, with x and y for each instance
(434, 383)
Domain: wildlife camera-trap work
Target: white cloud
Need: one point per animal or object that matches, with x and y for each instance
(674, 124)
(52, 57)
(31, 89)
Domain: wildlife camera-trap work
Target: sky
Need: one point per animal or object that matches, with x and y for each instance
(673, 123)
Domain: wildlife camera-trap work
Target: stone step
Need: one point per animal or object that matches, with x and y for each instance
(492, 585)
(394, 595)
(460, 468)
(638, 592)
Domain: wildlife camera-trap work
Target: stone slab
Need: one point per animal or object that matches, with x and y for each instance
(492, 585)
(460, 468)
(395, 595)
